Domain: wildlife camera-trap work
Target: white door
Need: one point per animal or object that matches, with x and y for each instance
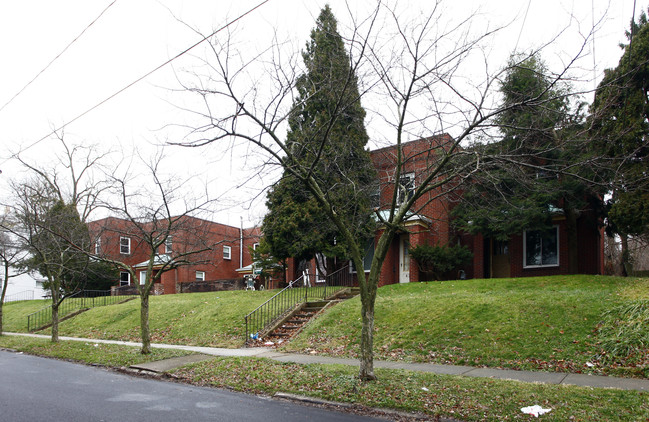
(404, 259)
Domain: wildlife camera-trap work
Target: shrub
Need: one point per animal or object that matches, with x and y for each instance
(441, 262)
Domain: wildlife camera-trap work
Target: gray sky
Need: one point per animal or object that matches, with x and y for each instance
(132, 37)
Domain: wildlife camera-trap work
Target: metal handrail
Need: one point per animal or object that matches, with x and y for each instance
(283, 302)
(83, 299)
(274, 308)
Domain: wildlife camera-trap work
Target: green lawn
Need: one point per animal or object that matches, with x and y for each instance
(199, 319)
(15, 313)
(546, 323)
(112, 355)
(551, 323)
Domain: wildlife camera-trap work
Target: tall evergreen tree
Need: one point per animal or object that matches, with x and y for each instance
(327, 138)
(535, 124)
(620, 122)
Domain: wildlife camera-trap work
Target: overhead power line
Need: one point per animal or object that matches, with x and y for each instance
(522, 25)
(146, 75)
(57, 56)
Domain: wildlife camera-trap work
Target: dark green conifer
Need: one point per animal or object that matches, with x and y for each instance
(327, 139)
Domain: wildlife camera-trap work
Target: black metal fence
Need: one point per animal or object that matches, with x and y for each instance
(84, 299)
(26, 295)
(303, 289)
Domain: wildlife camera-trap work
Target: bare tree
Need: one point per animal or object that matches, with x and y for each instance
(51, 207)
(412, 79)
(158, 219)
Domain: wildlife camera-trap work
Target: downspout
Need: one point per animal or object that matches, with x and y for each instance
(241, 243)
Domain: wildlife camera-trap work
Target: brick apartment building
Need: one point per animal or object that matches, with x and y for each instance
(529, 253)
(224, 250)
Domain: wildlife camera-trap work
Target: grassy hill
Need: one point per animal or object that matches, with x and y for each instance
(199, 319)
(550, 323)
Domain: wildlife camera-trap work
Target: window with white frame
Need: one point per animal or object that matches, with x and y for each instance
(125, 245)
(200, 275)
(367, 257)
(541, 248)
(168, 245)
(255, 246)
(142, 278)
(98, 246)
(227, 252)
(124, 278)
(406, 187)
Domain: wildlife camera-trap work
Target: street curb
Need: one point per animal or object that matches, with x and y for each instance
(377, 410)
(313, 400)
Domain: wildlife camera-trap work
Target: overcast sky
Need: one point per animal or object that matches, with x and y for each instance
(132, 37)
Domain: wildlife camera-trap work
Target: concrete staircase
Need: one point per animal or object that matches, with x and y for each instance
(295, 321)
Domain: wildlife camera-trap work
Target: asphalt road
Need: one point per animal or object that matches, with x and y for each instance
(39, 389)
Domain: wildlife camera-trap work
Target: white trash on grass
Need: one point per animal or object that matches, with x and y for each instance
(535, 410)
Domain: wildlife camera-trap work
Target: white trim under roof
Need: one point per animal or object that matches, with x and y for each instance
(158, 260)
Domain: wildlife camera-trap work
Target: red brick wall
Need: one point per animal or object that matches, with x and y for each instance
(390, 268)
(590, 250)
(516, 258)
(418, 157)
(591, 245)
(191, 233)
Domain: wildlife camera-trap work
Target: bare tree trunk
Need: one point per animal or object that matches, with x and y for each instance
(366, 372)
(5, 282)
(369, 286)
(55, 322)
(1, 308)
(56, 302)
(144, 322)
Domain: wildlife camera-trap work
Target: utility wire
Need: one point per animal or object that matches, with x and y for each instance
(592, 20)
(149, 73)
(522, 25)
(57, 56)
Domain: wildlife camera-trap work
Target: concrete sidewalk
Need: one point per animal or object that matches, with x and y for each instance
(204, 353)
